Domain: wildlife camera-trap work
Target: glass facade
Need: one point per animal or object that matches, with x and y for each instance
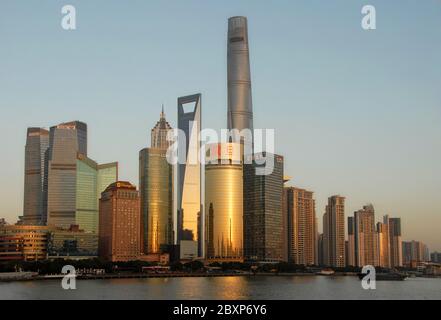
(35, 182)
(224, 211)
(189, 194)
(66, 141)
(263, 217)
(91, 180)
(156, 190)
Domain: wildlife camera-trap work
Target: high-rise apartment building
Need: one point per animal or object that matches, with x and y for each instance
(366, 238)
(224, 202)
(120, 223)
(334, 232)
(350, 259)
(35, 181)
(189, 186)
(300, 210)
(435, 257)
(395, 245)
(66, 141)
(414, 251)
(263, 216)
(383, 245)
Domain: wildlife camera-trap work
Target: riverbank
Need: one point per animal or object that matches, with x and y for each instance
(27, 276)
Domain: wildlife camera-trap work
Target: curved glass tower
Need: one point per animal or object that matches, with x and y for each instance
(240, 106)
(224, 203)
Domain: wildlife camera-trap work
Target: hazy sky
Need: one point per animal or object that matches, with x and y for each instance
(356, 112)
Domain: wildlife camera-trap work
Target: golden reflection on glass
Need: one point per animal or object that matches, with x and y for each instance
(224, 211)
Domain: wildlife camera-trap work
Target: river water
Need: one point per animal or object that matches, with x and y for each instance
(253, 288)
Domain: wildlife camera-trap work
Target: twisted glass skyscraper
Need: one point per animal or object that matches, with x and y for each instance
(240, 106)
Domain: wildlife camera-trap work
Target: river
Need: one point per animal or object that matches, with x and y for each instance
(223, 288)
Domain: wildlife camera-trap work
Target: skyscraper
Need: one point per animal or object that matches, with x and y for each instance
(395, 251)
(350, 259)
(302, 237)
(159, 133)
(120, 223)
(240, 106)
(263, 216)
(35, 181)
(189, 190)
(383, 245)
(334, 232)
(414, 251)
(91, 180)
(366, 239)
(224, 203)
(156, 190)
(66, 141)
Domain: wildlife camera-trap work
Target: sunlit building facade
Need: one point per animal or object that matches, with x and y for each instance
(383, 245)
(66, 141)
(156, 191)
(189, 186)
(28, 243)
(159, 133)
(301, 219)
(395, 251)
(334, 232)
(224, 203)
(120, 223)
(35, 181)
(366, 238)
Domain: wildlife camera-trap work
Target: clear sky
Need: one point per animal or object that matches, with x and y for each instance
(356, 112)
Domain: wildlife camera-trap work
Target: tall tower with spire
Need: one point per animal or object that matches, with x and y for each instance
(240, 106)
(156, 191)
(159, 133)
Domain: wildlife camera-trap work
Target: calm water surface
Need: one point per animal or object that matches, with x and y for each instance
(285, 288)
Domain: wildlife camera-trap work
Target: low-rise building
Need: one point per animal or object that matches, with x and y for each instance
(28, 243)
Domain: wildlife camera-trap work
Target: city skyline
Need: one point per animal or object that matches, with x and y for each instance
(386, 199)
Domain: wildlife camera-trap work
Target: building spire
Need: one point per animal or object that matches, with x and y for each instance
(162, 112)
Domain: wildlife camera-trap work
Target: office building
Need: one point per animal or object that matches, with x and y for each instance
(91, 180)
(159, 133)
(263, 201)
(120, 223)
(36, 175)
(156, 191)
(300, 210)
(189, 184)
(224, 203)
(66, 141)
(334, 232)
(72, 243)
(23, 243)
